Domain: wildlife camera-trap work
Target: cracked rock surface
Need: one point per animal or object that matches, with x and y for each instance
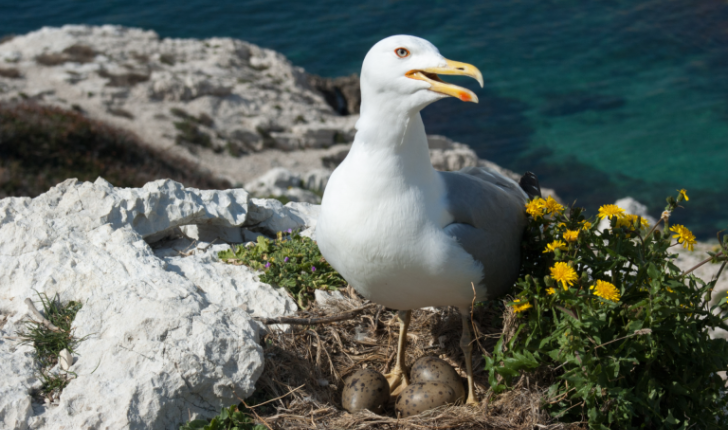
(169, 328)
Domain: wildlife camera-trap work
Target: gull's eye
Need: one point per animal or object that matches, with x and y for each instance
(401, 52)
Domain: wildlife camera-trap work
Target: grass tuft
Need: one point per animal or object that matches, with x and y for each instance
(291, 261)
(48, 343)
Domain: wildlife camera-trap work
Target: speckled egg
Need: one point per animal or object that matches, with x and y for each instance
(365, 389)
(419, 397)
(433, 369)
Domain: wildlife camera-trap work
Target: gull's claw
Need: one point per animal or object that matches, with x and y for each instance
(397, 380)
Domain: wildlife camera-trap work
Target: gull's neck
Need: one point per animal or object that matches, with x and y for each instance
(387, 130)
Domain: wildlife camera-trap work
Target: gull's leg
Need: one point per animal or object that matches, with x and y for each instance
(398, 378)
(465, 345)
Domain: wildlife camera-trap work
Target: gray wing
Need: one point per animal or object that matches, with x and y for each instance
(489, 221)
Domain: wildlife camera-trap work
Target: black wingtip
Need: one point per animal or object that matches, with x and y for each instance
(529, 184)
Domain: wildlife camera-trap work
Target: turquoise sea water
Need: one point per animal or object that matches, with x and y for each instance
(602, 99)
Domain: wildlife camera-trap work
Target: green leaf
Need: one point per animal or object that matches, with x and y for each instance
(670, 419)
(194, 425)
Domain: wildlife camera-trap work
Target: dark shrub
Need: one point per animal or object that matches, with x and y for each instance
(41, 146)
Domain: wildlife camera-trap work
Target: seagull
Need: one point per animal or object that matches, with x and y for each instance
(403, 234)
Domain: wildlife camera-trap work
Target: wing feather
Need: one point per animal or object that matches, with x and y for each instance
(488, 222)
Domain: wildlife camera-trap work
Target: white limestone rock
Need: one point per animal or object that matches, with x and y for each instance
(281, 182)
(270, 216)
(278, 177)
(18, 379)
(316, 179)
(169, 332)
(448, 155)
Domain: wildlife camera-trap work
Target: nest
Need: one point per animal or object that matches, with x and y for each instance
(305, 368)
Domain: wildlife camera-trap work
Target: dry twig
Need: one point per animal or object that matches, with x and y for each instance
(313, 321)
(49, 325)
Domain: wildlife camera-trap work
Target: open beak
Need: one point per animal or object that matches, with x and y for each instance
(430, 76)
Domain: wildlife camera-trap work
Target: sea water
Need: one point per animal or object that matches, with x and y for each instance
(601, 99)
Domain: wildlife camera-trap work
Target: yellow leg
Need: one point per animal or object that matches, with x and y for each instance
(465, 345)
(398, 378)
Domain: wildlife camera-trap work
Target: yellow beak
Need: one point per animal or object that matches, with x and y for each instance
(452, 68)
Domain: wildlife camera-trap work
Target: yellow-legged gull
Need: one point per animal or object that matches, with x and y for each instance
(401, 233)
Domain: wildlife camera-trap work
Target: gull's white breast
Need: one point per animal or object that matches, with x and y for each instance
(381, 227)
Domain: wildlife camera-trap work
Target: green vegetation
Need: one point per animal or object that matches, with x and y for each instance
(229, 419)
(189, 129)
(238, 417)
(41, 146)
(49, 343)
(291, 261)
(621, 333)
(283, 199)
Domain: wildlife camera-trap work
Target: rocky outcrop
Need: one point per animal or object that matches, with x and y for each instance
(205, 100)
(343, 94)
(279, 182)
(167, 329)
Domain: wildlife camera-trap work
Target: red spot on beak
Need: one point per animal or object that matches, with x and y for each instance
(465, 97)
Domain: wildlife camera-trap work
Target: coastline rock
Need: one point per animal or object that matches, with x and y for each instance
(168, 328)
(162, 89)
(279, 182)
(342, 93)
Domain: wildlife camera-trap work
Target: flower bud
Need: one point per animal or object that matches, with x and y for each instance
(548, 281)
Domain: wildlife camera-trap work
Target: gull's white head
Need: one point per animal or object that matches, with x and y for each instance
(404, 70)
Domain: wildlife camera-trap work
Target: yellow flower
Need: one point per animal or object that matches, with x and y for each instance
(551, 205)
(520, 307)
(684, 236)
(551, 247)
(630, 220)
(606, 290)
(586, 225)
(607, 211)
(562, 272)
(684, 194)
(550, 291)
(571, 235)
(535, 207)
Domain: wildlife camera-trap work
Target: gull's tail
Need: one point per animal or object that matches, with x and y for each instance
(529, 184)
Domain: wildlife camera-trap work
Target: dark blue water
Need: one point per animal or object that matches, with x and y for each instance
(602, 99)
